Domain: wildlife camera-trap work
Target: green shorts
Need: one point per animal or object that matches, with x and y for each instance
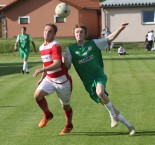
(91, 87)
(24, 54)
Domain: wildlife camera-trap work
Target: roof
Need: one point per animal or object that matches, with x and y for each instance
(127, 3)
(5, 2)
(12, 3)
(85, 4)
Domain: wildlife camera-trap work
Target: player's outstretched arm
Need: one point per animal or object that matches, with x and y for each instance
(114, 35)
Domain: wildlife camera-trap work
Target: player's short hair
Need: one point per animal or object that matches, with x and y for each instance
(24, 28)
(53, 26)
(81, 26)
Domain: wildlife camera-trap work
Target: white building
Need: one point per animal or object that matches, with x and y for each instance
(140, 14)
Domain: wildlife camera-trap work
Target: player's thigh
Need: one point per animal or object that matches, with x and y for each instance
(47, 86)
(39, 94)
(64, 92)
(91, 89)
(21, 53)
(26, 55)
(99, 89)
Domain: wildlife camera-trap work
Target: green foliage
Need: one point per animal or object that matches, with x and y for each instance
(130, 85)
(7, 45)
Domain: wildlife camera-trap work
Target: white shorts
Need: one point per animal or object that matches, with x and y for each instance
(63, 90)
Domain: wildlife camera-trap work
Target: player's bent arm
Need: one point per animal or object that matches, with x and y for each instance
(68, 59)
(34, 46)
(43, 75)
(67, 64)
(64, 61)
(55, 65)
(114, 35)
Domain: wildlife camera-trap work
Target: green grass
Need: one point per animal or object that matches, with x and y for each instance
(130, 85)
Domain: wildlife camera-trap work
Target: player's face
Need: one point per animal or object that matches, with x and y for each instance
(49, 34)
(23, 31)
(79, 34)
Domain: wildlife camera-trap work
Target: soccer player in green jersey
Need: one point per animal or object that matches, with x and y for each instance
(23, 42)
(87, 59)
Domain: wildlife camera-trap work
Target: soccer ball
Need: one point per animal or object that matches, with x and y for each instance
(62, 10)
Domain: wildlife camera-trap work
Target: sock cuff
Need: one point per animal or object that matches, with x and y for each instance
(108, 104)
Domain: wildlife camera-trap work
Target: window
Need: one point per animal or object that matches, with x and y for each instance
(59, 20)
(24, 20)
(148, 17)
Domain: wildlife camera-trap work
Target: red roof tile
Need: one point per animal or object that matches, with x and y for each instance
(88, 4)
(80, 4)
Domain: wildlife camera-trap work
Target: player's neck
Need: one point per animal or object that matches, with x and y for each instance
(80, 42)
(46, 42)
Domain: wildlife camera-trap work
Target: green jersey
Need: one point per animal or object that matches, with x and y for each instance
(87, 59)
(24, 41)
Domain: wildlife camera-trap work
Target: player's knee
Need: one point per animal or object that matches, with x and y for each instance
(66, 107)
(99, 93)
(102, 96)
(37, 95)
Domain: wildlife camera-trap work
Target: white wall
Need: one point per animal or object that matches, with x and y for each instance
(135, 31)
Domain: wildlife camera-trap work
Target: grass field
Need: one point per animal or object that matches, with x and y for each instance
(131, 80)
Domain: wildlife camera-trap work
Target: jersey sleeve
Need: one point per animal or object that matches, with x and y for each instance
(68, 56)
(30, 38)
(17, 40)
(101, 43)
(56, 52)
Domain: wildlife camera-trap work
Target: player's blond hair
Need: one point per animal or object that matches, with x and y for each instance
(81, 26)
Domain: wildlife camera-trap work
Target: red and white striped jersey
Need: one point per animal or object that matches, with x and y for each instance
(50, 52)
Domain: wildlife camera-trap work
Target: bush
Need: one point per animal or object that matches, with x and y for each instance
(7, 45)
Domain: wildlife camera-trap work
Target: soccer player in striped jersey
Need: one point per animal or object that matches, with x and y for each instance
(87, 59)
(55, 78)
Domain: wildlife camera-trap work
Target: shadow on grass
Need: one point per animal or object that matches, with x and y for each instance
(99, 133)
(142, 133)
(7, 106)
(13, 68)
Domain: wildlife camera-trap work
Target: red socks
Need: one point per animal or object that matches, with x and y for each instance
(44, 107)
(68, 116)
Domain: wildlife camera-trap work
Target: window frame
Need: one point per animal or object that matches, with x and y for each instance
(62, 20)
(147, 23)
(20, 17)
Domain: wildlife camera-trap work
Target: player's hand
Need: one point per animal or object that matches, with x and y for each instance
(15, 47)
(124, 25)
(39, 82)
(38, 71)
(63, 59)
